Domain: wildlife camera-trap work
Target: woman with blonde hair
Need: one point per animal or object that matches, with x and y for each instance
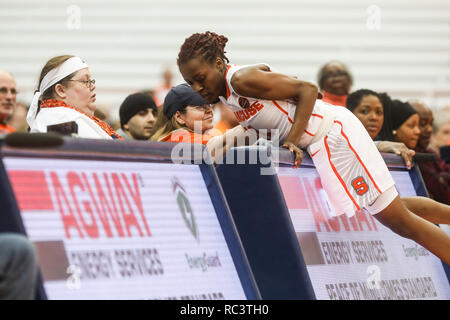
(66, 95)
(185, 117)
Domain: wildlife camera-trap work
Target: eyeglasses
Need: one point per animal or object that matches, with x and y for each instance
(4, 90)
(87, 83)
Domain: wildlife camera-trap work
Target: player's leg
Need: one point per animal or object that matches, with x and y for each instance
(406, 224)
(428, 209)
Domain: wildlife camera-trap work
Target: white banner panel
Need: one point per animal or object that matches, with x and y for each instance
(358, 258)
(123, 230)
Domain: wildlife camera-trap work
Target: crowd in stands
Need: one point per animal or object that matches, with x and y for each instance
(401, 127)
(66, 97)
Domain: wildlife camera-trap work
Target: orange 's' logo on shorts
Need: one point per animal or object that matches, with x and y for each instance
(360, 185)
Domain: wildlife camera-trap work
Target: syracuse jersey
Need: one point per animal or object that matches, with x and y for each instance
(352, 171)
(259, 114)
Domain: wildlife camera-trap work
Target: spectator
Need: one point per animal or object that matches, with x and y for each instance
(18, 119)
(369, 109)
(366, 105)
(161, 90)
(401, 122)
(137, 116)
(68, 95)
(8, 93)
(441, 131)
(18, 267)
(436, 174)
(335, 81)
(185, 117)
(425, 124)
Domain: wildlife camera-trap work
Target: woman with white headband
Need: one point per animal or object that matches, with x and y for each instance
(66, 93)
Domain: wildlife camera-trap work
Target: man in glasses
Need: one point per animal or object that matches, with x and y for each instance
(8, 94)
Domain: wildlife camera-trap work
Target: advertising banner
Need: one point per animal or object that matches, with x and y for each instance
(123, 230)
(357, 258)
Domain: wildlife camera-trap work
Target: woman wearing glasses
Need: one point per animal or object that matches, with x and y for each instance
(185, 117)
(66, 93)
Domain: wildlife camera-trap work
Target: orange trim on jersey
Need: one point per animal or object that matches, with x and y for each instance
(312, 135)
(336, 173)
(356, 154)
(315, 153)
(282, 110)
(226, 81)
(316, 115)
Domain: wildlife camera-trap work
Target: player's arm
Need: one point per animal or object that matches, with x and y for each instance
(259, 82)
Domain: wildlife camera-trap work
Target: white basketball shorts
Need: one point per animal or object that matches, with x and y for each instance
(352, 171)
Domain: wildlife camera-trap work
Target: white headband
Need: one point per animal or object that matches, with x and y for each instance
(53, 76)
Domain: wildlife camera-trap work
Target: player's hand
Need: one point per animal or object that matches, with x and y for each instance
(297, 152)
(398, 148)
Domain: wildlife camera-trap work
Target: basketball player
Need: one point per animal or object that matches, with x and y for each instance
(351, 169)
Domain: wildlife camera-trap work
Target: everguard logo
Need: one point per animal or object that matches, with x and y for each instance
(204, 262)
(415, 251)
(185, 207)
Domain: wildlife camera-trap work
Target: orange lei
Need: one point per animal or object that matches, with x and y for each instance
(52, 103)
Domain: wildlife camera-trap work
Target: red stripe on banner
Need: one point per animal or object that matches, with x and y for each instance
(356, 154)
(293, 192)
(337, 174)
(31, 190)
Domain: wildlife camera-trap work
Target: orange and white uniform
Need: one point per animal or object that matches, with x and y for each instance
(274, 115)
(352, 171)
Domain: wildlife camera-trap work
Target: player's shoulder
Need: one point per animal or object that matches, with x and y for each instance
(245, 69)
(248, 72)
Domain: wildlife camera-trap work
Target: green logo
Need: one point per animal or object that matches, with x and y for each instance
(185, 207)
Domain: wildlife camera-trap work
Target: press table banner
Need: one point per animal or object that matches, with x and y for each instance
(357, 258)
(123, 230)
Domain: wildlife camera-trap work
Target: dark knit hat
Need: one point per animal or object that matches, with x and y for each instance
(133, 104)
(400, 112)
(179, 97)
(396, 113)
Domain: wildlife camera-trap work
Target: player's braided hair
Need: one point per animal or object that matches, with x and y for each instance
(208, 45)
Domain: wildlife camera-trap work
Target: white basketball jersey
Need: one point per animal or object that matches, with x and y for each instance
(351, 169)
(259, 114)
